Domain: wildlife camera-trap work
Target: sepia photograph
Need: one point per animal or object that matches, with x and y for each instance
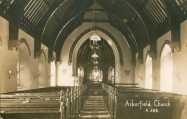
(93, 59)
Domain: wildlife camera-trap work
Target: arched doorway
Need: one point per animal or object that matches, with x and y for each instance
(148, 72)
(166, 71)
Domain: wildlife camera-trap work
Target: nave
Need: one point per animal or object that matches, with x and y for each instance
(71, 59)
(92, 101)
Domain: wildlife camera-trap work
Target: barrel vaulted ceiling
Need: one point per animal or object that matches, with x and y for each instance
(141, 21)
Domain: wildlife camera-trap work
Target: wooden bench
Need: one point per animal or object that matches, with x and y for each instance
(135, 103)
(43, 103)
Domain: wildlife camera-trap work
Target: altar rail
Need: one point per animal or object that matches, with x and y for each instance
(131, 102)
(44, 103)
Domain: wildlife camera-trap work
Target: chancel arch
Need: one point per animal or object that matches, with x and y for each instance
(121, 46)
(108, 40)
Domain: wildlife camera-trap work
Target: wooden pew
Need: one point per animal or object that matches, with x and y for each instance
(43, 103)
(135, 103)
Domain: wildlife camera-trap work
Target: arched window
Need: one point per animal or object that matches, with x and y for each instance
(166, 71)
(148, 72)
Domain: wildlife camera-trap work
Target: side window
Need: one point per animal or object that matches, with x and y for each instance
(166, 71)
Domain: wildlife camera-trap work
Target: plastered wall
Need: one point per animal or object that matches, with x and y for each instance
(7, 60)
(19, 69)
(179, 58)
(180, 62)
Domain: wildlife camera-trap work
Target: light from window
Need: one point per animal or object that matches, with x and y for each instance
(166, 74)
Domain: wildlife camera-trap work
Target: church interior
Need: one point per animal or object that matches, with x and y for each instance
(93, 59)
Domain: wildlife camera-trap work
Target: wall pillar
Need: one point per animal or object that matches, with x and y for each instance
(8, 60)
(53, 74)
(156, 73)
(139, 72)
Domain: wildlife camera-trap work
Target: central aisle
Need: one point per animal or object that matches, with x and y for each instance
(94, 106)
